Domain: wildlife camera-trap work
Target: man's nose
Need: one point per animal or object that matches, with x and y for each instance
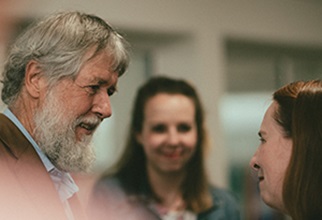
(102, 105)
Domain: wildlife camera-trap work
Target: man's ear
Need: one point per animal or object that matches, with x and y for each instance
(33, 79)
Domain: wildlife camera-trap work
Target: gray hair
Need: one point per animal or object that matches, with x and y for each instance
(58, 44)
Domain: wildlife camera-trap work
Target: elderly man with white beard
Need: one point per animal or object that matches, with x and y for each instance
(57, 83)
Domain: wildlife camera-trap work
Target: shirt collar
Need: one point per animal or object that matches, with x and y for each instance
(64, 184)
(49, 166)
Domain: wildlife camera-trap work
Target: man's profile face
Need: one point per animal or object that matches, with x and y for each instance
(71, 112)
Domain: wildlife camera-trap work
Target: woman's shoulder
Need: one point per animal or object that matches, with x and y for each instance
(225, 205)
(221, 195)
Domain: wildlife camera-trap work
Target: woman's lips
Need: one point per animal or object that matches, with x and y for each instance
(172, 155)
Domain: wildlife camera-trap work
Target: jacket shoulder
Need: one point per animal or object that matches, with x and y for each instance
(12, 141)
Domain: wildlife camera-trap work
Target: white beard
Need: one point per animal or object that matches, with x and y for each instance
(55, 133)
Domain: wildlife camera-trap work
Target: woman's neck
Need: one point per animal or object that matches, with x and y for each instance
(167, 186)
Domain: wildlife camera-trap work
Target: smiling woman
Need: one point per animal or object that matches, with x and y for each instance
(272, 158)
(161, 173)
(288, 161)
(169, 133)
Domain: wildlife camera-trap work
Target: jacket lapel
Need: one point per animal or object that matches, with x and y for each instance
(29, 174)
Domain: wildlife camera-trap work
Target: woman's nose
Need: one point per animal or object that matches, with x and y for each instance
(253, 162)
(173, 137)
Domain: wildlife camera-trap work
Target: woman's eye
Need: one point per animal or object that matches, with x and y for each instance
(184, 128)
(159, 128)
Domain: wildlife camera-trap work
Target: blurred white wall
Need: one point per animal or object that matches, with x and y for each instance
(198, 53)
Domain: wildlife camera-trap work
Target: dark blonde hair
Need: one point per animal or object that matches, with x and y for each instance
(299, 113)
(131, 169)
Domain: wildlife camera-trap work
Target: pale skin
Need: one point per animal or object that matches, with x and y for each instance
(271, 159)
(89, 94)
(169, 138)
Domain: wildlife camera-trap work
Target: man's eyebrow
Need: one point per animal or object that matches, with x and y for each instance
(97, 80)
(106, 82)
(102, 82)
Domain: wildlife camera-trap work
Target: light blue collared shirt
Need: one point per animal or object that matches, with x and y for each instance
(63, 181)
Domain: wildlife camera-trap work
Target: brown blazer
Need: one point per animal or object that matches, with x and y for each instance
(26, 189)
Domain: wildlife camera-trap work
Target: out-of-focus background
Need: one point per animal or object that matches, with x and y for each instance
(236, 52)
